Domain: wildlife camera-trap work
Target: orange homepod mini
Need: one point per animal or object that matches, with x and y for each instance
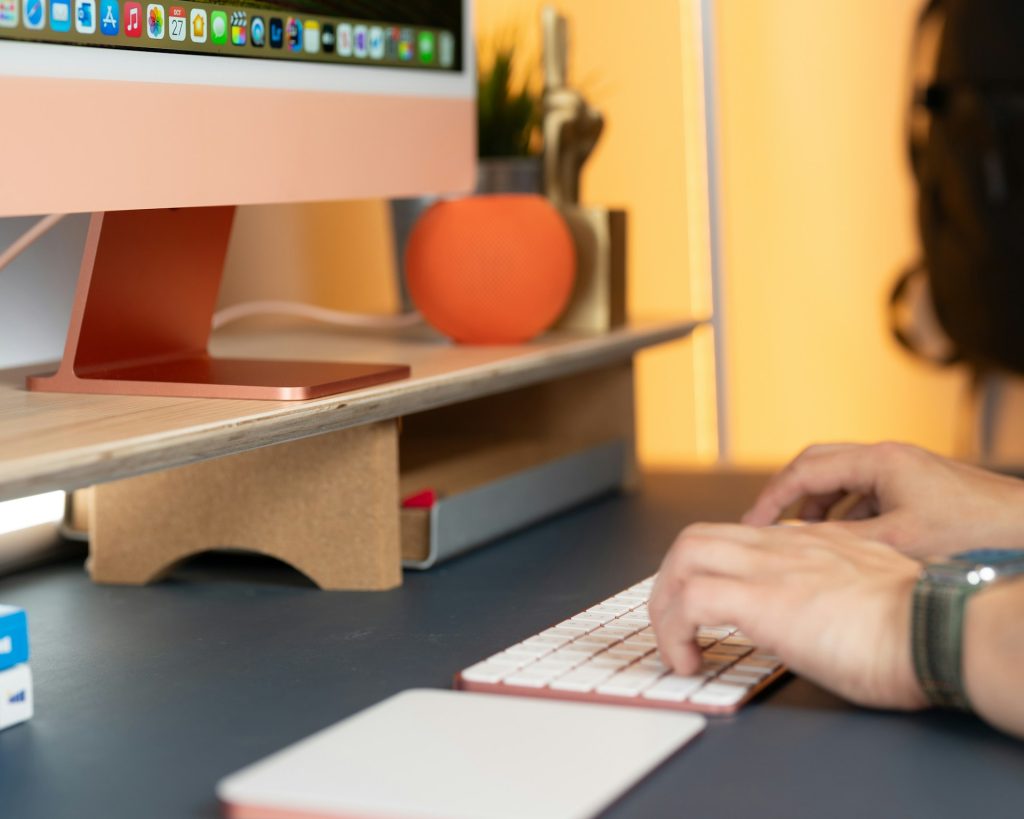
(491, 269)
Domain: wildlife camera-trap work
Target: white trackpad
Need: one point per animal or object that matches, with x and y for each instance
(459, 755)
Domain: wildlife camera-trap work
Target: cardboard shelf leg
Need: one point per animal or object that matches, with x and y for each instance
(326, 505)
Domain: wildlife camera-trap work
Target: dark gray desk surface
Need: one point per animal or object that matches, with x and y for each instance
(147, 696)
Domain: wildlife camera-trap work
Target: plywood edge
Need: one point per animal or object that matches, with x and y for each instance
(76, 465)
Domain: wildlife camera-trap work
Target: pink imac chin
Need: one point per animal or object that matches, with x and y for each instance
(142, 316)
(162, 165)
(160, 145)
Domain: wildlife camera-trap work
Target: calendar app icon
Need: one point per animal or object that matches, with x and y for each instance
(177, 23)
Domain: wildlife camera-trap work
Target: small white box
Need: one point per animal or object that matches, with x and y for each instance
(15, 696)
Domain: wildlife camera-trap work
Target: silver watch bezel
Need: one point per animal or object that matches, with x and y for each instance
(971, 574)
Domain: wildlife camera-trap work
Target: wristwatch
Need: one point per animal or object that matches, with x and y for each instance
(940, 600)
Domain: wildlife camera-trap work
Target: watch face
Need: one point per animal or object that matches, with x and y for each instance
(976, 568)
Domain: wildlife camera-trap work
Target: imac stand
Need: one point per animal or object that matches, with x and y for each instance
(142, 314)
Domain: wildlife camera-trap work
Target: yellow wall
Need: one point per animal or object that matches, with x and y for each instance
(818, 217)
(627, 59)
(333, 254)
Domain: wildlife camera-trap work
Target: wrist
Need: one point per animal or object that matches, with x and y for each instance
(992, 654)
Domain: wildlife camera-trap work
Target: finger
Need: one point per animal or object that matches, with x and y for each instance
(817, 471)
(695, 552)
(713, 554)
(817, 507)
(861, 508)
(891, 529)
(673, 571)
(702, 600)
(667, 579)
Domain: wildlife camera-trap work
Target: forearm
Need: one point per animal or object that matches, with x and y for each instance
(993, 655)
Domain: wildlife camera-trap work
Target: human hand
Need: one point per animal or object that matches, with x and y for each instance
(834, 607)
(921, 503)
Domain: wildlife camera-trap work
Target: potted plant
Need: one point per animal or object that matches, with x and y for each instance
(508, 119)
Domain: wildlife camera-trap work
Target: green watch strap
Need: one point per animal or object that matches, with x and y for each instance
(937, 639)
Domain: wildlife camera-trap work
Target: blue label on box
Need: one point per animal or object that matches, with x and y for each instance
(13, 637)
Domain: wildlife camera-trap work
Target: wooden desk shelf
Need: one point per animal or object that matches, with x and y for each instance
(61, 441)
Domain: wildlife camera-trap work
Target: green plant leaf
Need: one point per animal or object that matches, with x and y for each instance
(507, 117)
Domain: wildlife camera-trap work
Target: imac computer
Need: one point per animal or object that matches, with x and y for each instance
(160, 117)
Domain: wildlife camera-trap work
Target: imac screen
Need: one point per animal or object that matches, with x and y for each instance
(425, 35)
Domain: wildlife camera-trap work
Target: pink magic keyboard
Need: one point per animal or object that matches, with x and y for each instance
(608, 654)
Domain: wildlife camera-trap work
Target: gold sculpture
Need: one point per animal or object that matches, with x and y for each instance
(570, 125)
(571, 128)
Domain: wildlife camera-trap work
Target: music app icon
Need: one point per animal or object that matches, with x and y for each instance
(133, 19)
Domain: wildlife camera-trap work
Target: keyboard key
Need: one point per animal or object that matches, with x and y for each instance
(721, 660)
(608, 630)
(604, 661)
(738, 678)
(530, 650)
(554, 663)
(574, 650)
(626, 645)
(611, 607)
(508, 660)
(711, 666)
(545, 640)
(599, 637)
(653, 662)
(528, 678)
(627, 653)
(639, 613)
(581, 680)
(719, 694)
(629, 683)
(673, 688)
(593, 617)
(751, 665)
(622, 629)
(557, 631)
(575, 627)
(485, 672)
(728, 648)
